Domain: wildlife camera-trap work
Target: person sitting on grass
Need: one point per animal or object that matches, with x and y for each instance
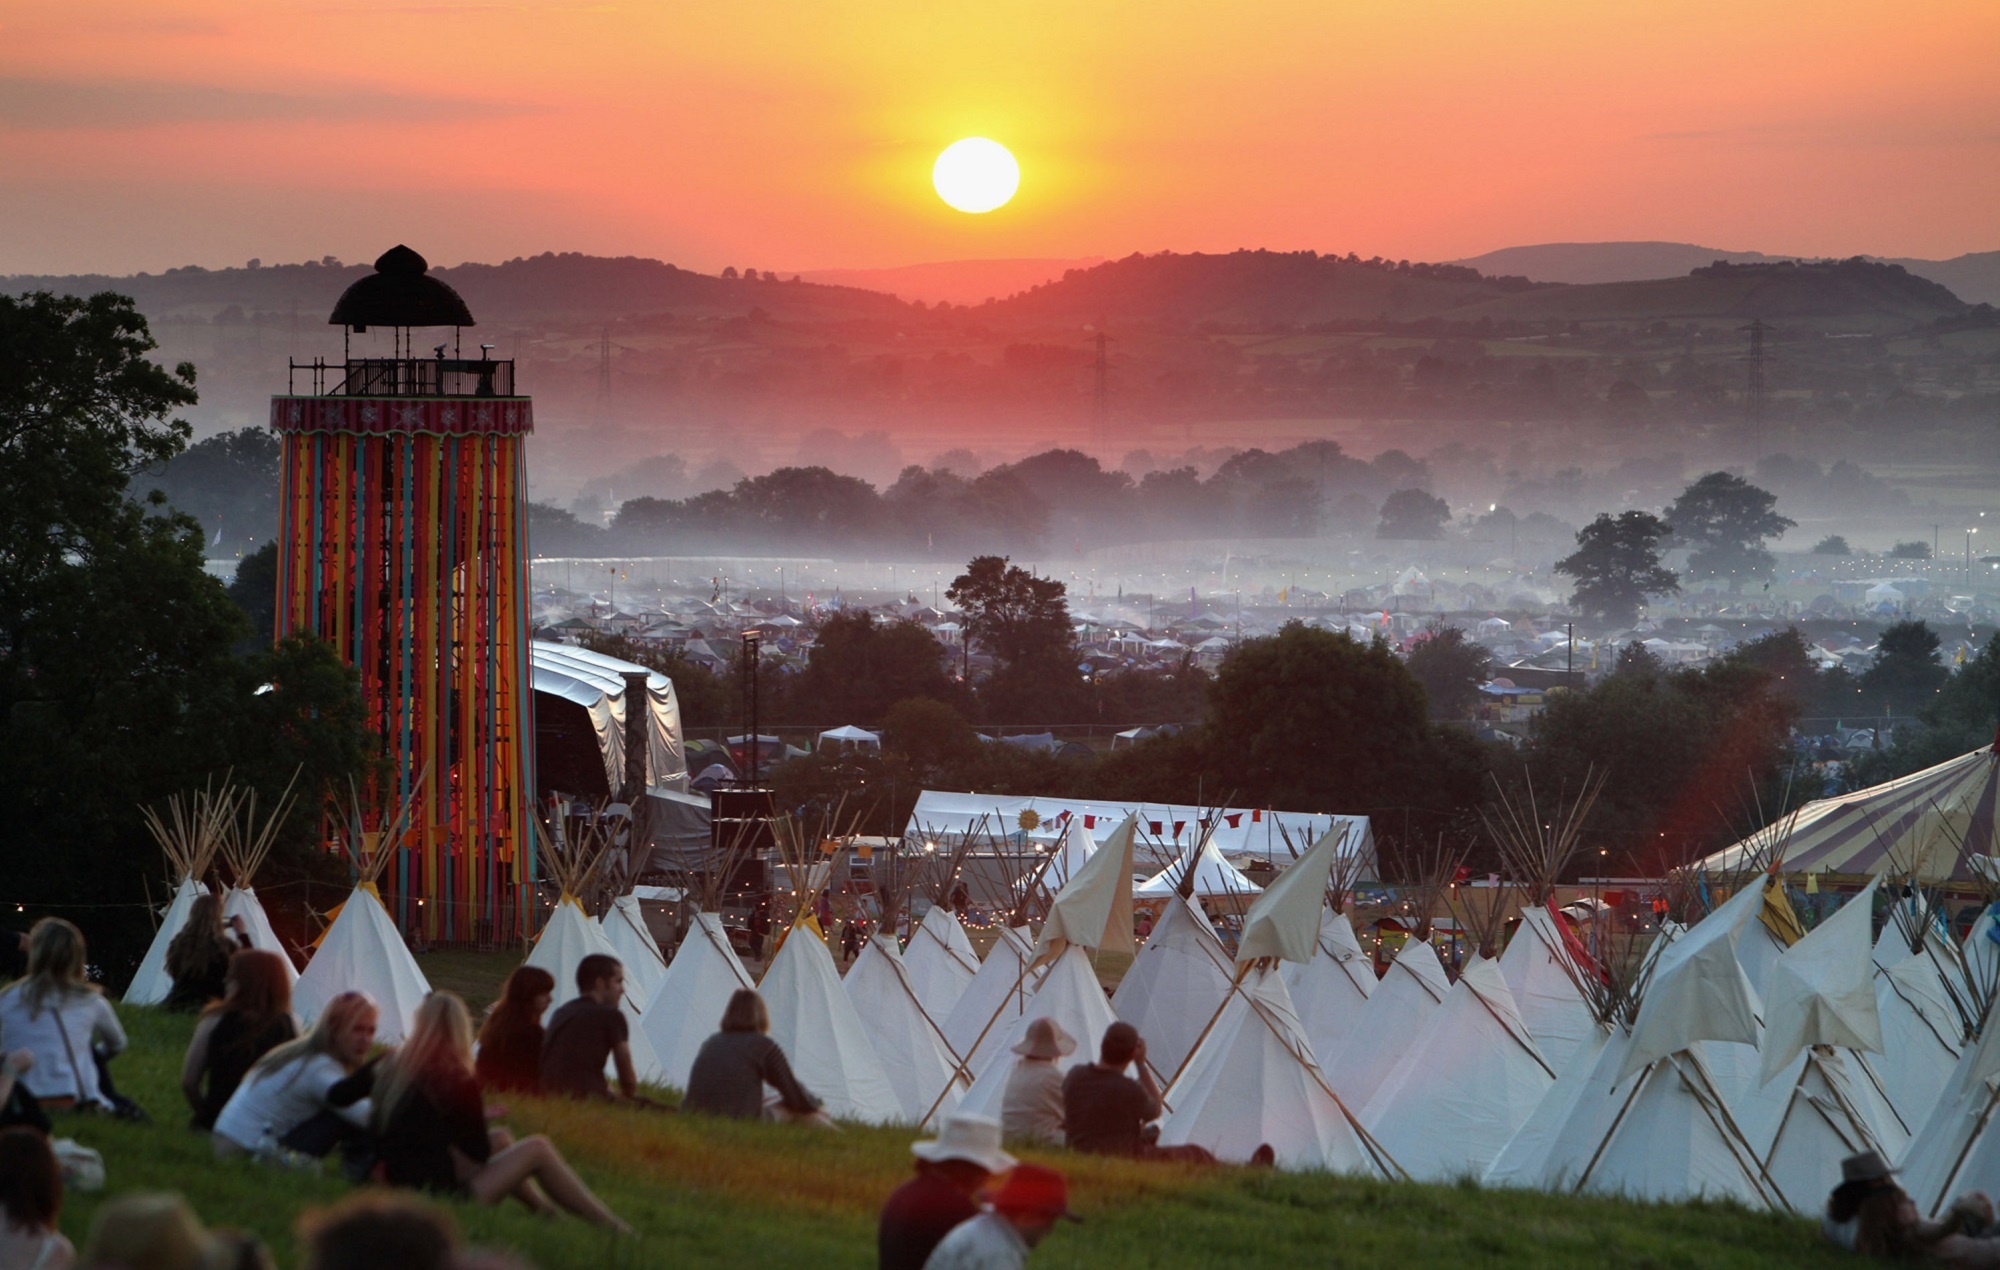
(253, 1018)
(587, 1031)
(734, 1064)
(1031, 1107)
(377, 1231)
(158, 1231)
(1023, 1212)
(303, 1096)
(61, 1019)
(1868, 1213)
(950, 1172)
(31, 1194)
(430, 1127)
(1106, 1112)
(198, 957)
(510, 1041)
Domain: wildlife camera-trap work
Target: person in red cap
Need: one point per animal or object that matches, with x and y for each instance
(1023, 1212)
(951, 1169)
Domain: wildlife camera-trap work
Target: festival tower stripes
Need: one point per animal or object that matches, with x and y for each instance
(403, 541)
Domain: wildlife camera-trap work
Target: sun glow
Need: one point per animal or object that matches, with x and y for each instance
(976, 175)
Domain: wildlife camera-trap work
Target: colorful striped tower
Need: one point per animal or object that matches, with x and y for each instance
(404, 542)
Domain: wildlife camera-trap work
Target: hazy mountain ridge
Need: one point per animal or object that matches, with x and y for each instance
(954, 281)
(1973, 277)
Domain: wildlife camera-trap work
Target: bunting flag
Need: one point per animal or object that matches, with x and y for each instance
(1178, 826)
(1089, 821)
(1235, 819)
(1256, 815)
(1578, 954)
(1154, 827)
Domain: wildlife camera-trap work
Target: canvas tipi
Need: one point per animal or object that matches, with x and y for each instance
(940, 961)
(686, 1008)
(1175, 985)
(362, 950)
(246, 843)
(189, 836)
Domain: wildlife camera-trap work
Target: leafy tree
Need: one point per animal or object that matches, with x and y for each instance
(1723, 521)
(1451, 668)
(1905, 676)
(1023, 621)
(119, 685)
(1413, 513)
(1637, 661)
(1963, 716)
(860, 666)
(929, 736)
(228, 482)
(1917, 550)
(255, 590)
(1316, 719)
(554, 531)
(1832, 545)
(1617, 565)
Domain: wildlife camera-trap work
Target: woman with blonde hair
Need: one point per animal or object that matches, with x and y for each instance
(308, 1094)
(61, 1018)
(430, 1126)
(198, 957)
(733, 1066)
(253, 1018)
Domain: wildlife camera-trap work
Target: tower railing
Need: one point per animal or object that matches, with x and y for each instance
(404, 377)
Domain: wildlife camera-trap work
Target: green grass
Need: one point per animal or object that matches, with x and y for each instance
(715, 1193)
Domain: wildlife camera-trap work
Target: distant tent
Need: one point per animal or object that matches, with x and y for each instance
(822, 1035)
(1539, 977)
(625, 930)
(151, 983)
(1175, 985)
(1396, 1014)
(189, 835)
(362, 952)
(921, 1067)
(1465, 1085)
(941, 961)
(1330, 990)
(1069, 994)
(851, 735)
(1254, 1081)
(686, 1009)
(993, 1000)
(1214, 877)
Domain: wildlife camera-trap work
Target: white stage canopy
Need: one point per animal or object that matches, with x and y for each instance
(597, 683)
(1165, 830)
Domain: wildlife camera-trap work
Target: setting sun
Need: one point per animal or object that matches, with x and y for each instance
(976, 175)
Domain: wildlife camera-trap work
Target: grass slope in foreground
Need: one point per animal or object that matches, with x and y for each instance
(703, 1193)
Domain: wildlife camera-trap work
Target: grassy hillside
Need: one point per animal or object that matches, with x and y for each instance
(705, 1193)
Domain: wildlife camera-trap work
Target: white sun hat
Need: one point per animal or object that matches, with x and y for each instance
(974, 1139)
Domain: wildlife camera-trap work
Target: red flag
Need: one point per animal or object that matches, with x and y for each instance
(1234, 818)
(1574, 946)
(1090, 822)
(1462, 874)
(1153, 827)
(1257, 816)
(1178, 826)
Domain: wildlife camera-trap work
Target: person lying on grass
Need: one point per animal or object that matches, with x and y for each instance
(431, 1134)
(253, 1018)
(510, 1042)
(733, 1066)
(308, 1095)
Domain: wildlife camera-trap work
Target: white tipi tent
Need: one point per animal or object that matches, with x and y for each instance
(625, 930)
(994, 999)
(1396, 1014)
(245, 844)
(1175, 985)
(1069, 994)
(362, 952)
(1537, 971)
(1330, 990)
(1958, 1145)
(1465, 1085)
(189, 836)
(941, 961)
(566, 939)
(816, 1025)
(1253, 1079)
(1214, 877)
(686, 1009)
(921, 1067)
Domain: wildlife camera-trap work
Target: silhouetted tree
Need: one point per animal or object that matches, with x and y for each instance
(1723, 521)
(1905, 676)
(1451, 668)
(1413, 513)
(1617, 565)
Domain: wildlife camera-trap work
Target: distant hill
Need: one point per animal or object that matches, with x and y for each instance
(563, 287)
(1974, 278)
(1253, 289)
(1606, 262)
(953, 281)
(1261, 289)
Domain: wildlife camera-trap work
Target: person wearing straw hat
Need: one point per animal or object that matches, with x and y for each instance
(1868, 1212)
(1023, 1212)
(950, 1169)
(1031, 1107)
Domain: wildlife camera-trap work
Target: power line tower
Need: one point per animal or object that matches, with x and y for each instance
(1753, 397)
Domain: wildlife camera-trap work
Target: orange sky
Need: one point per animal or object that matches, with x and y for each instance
(139, 134)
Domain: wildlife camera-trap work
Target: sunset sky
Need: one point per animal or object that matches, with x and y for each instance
(142, 134)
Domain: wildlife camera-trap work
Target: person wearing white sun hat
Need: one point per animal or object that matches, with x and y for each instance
(951, 1169)
(1031, 1106)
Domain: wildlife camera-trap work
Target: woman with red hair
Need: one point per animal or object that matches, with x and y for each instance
(253, 1018)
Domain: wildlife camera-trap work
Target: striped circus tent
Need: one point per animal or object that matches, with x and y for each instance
(1920, 818)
